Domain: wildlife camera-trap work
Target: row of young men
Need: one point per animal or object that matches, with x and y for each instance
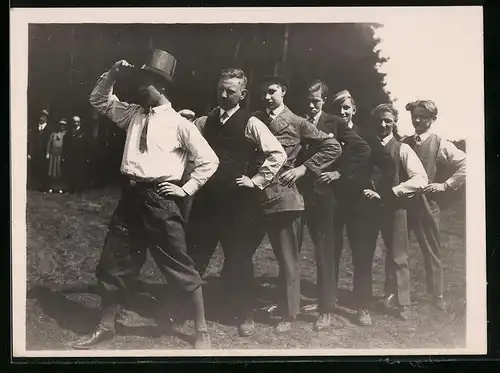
(255, 173)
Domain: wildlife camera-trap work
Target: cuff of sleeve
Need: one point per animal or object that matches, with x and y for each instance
(450, 185)
(396, 191)
(259, 181)
(190, 187)
(312, 169)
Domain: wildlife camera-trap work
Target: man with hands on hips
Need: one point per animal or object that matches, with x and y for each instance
(149, 215)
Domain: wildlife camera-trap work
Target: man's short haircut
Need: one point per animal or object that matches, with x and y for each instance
(320, 86)
(386, 108)
(428, 105)
(231, 73)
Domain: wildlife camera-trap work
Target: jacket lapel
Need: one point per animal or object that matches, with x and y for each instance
(281, 122)
(322, 122)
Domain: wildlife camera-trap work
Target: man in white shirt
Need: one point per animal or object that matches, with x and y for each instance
(149, 214)
(439, 157)
(225, 210)
(388, 213)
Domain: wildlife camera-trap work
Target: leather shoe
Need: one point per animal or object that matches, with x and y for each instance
(284, 326)
(323, 322)
(202, 340)
(247, 328)
(405, 312)
(440, 303)
(389, 301)
(364, 317)
(101, 334)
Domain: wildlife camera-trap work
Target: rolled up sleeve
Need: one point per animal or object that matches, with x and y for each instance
(108, 104)
(275, 156)
(204, 160)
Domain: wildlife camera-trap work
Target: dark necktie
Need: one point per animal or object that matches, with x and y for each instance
(143, 142)
(269, 117)
(311, 120)
(418, 140)
(223, 117)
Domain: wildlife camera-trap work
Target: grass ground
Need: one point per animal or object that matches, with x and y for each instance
(64, 237)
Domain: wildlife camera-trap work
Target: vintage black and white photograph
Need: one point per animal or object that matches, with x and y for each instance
(248, 181)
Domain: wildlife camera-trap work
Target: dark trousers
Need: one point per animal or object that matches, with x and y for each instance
(77, 174)
(144, 220)
(423, 219)
(229, 219)
(37, 172)
(363, 228)
(358, 217)
(320, 222)
(284, 231)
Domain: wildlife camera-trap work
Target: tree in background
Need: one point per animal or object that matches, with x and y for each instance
(65, 61)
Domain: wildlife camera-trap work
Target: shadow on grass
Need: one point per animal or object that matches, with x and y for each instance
(81, 319)
(167, 307)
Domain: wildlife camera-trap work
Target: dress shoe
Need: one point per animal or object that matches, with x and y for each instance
(247, 328)
(326, 321)
(364, 318)
(202, 340)
(405, 312)
(323, 322)
(101, 334)
(389, 301)
(284, 326)
(440, 303)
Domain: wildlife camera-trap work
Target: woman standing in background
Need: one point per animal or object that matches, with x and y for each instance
(55, 156)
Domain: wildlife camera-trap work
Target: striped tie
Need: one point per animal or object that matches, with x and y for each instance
(143, 143)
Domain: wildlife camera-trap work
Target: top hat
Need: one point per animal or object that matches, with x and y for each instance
(162, 64)
(276, 79)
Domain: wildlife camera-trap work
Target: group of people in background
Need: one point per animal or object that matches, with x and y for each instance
(232, 176)
(66, 156)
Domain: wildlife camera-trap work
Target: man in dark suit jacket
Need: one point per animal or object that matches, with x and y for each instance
(353, 206)
(319, 196)
(281, 204)
(38, 137)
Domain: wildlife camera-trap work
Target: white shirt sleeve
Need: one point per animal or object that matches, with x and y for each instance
(417, 177)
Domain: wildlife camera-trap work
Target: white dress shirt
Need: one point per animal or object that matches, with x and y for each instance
(41, 126)
(449, 155)
(171, 138)
(417, 177)
(260, 135)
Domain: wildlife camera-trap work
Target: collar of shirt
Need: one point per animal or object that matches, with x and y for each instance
(315, 119)
(424, 136)
(386, 139)
(229, 112)
(161, 108)
(350, 125)
(275, 112)
(41, 126)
